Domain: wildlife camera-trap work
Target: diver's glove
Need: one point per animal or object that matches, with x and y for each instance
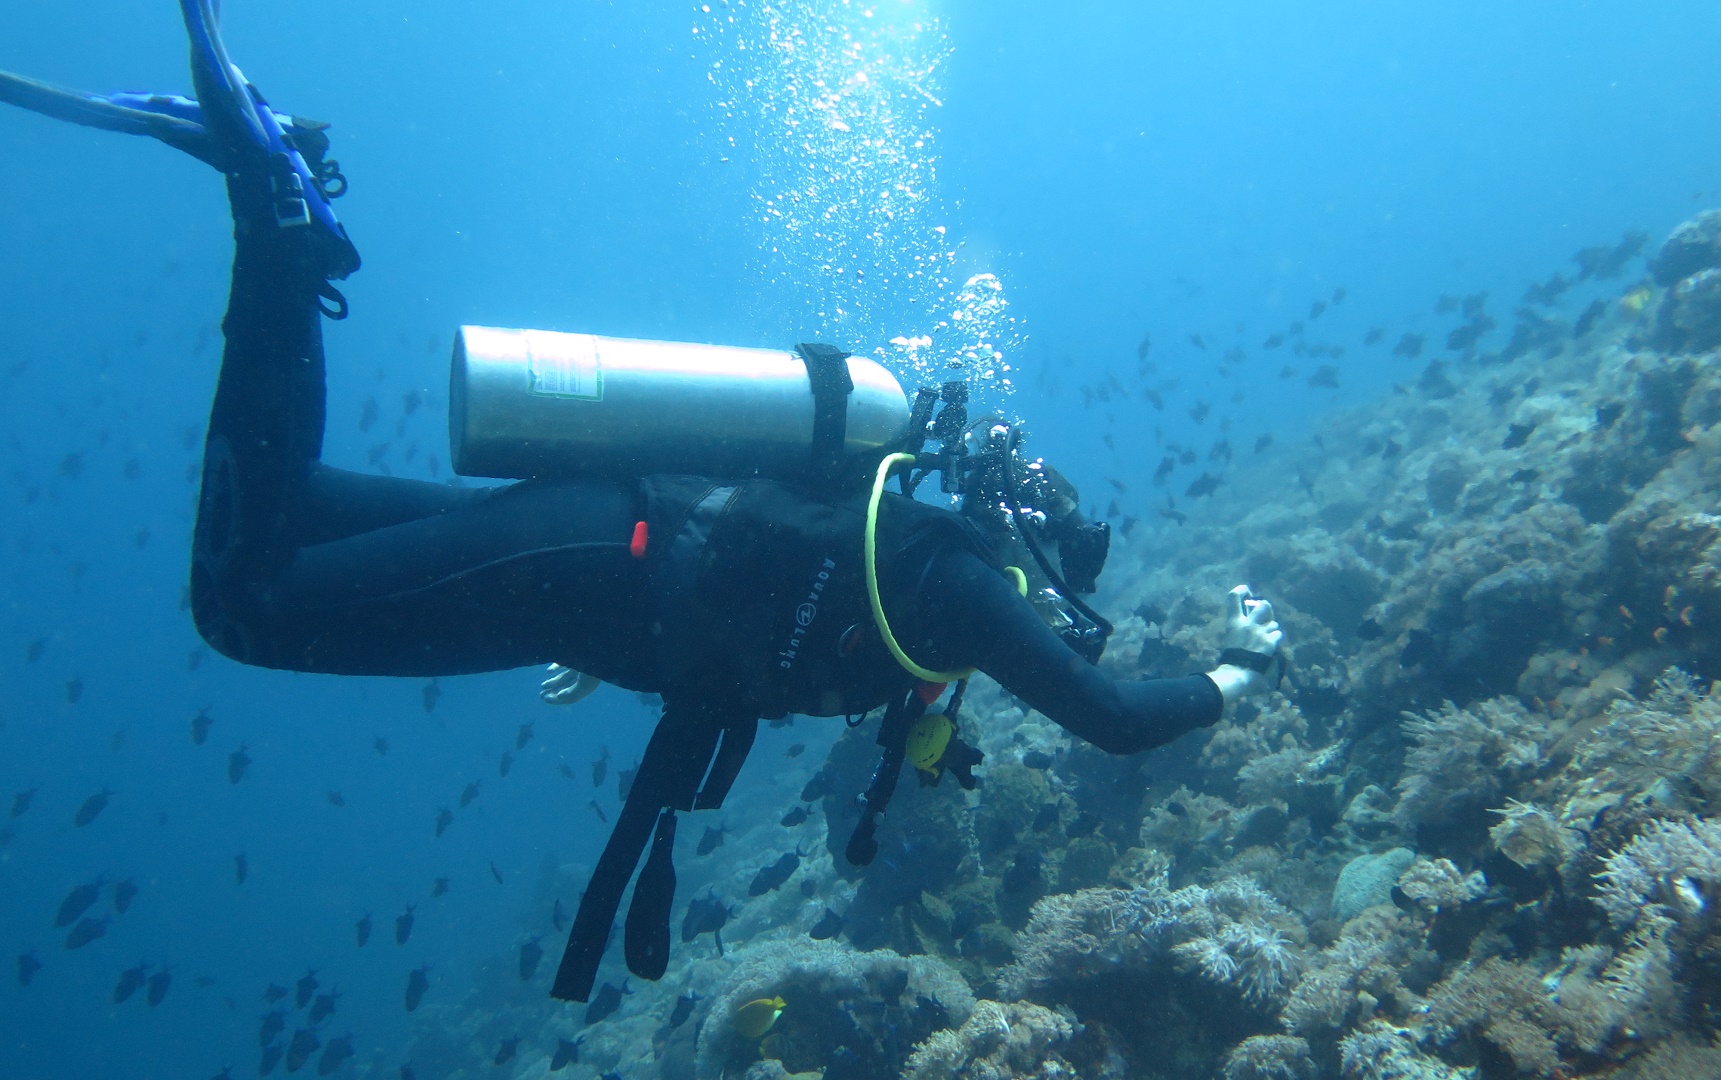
(566, 686)
(1250, 649)
(228, 126)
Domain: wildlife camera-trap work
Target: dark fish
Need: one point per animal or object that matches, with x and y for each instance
(78, 901)
(606, 1002)
(444, 818)
(362, 929)
(1205, 484)
(1155, 398)
(22, 800)
(200, 727)
(273, 1024)
(566, 769)
(237, 762)
(1603, 262)
(1523, 476)
(338, 1051)
(335, 798)
(1262, 442)
(1547, 292)
(74, 690)
(711, 841)
(271, 1058)
(1339, 294)
(1317, 309)
(1046, 818)
(1198, 341)
(1409, 346)
(439, 886)
(304, 989)
(530, 954)
(1142, 349)
(1186, 457)
(91, 808)
(1273, 341)
(431, 693)
(1325, 377)
(402, 927)
(299, 1051)
(683, 1009)
(406, 1073)
(1392, 449)
(380, 746)
(613, 1074)
(1200, 411)
(241, 868)
(496, 873)
(87, 930)
(506, 1051)
(1517, 435)
(1176, 809)
(522, 736)
(28, 965)
(816, 787)
(33, 651)
(1374, 336)
(1588, 319)
(1037, 759)
(505, 763)
(1369, 630)
(368, 413)
(830, 924)
(130, 982)
(1607, 415)
(1167, 465)
(158, 986)
(706, 915)
(599, 811)
(567, 1053)
(468, 794)
(795, 751)
(416, 984)
(322, 1007)
(558, 917)
(795, 817)
(273, 993)
(624, 781)
(776, 874)
(600, 766)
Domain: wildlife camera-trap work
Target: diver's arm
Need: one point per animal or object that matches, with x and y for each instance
(976, 618)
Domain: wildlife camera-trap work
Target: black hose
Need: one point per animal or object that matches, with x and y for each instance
(1045, 564)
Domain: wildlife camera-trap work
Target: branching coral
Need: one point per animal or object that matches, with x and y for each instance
(1014, 1041)
(1270, 1057)
(1669, 874)
(1233, 934)
(1671, 740)
(1380, 1050)
(1437, 883)
(1362, 971)
(1463, 760)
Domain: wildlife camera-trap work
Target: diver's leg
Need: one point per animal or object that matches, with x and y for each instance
(523, 575)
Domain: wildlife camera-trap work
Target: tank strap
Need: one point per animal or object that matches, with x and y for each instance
(828, 372)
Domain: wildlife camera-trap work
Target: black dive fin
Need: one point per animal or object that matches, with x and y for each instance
(645, 934)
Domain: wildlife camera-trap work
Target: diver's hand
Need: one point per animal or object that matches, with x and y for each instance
(1249, 629)
(566, 686)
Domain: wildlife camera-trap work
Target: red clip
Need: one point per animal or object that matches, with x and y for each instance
(929, 692)
(636, 547)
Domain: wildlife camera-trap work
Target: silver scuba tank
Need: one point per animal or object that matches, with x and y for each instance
(542, 404)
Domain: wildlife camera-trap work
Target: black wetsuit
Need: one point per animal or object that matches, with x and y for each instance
(301, 566)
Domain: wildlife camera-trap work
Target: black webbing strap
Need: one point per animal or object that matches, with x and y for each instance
(828, 372)
(893, 737)
(678, 757)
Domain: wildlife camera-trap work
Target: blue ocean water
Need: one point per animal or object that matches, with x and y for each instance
(1125, 170)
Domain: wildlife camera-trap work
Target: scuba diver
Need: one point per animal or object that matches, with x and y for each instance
(762, 572)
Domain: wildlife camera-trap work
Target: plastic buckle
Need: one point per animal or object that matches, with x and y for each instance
(291, 209)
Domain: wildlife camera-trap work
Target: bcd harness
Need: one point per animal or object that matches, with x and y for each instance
(726, 658)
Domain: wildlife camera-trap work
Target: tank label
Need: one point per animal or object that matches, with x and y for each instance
(568, 369)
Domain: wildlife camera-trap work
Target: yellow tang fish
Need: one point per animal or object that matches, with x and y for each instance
(1635, 300)
(927, 740)
(755, 1018)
